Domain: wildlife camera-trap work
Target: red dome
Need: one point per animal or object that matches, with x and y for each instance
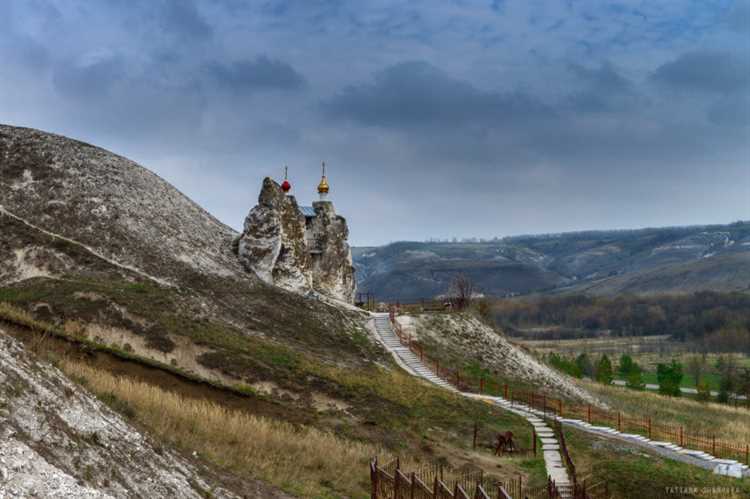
(286, 186)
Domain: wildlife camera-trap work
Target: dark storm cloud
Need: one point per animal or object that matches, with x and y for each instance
(706, 71)
(259, 74)
(182, 18)
(512, 116)
(17, 47)
(418, 94)
(89, 80)
(601, 89)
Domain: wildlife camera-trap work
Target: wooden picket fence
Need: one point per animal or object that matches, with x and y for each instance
(440, 482)
(677, 434)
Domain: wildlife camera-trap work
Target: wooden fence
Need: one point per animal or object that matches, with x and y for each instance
(439, 482)
(677, 434)
(582, 488)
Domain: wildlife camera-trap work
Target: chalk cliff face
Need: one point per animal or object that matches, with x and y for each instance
(285, 248)
(332, 270)
(56, 440)
(273, 240)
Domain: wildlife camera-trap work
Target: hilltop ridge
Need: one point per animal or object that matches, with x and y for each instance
(671, 259)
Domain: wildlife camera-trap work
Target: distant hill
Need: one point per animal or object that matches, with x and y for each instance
(671, 259)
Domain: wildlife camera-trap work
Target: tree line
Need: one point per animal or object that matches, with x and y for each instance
(719, 322)
(733, 379)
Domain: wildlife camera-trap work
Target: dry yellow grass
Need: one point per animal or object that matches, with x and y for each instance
(728, 423)
(300, 460)
(19, 316)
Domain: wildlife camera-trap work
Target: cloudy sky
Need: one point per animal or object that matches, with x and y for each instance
(436, 118)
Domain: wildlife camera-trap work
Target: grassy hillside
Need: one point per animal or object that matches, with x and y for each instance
(109, 261)
(637, 472)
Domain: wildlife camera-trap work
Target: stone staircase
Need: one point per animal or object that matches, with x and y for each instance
(393, 344)
(550, 446)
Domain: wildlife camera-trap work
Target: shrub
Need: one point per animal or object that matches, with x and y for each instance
(604, 370)
(670, 378)
(635, 379)
(725, 386)
(565, 365)
(584, 364)
(626, 365)
(704, 391)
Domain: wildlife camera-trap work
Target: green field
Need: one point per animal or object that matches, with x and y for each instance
(688, 381)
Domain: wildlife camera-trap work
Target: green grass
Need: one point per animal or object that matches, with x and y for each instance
(632, 471)
(688, 381)
(397, 408)
(728, 423)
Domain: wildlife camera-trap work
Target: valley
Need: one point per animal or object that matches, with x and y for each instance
(275, 387)
(374, 250)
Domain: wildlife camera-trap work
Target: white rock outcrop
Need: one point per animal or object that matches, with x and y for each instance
(272, 243)
(286, 248)
(56, 440)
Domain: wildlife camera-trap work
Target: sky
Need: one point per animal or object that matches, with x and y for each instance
(437, 119)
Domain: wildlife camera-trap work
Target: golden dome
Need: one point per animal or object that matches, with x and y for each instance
(323, 185)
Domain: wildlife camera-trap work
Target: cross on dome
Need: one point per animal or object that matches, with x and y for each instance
(323, 186)
(286, 186)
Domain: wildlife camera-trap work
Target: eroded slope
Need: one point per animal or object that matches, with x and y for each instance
(56, 440)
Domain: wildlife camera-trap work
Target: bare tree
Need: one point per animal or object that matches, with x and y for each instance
(461, 292)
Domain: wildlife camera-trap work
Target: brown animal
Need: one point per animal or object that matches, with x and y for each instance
(505, 443)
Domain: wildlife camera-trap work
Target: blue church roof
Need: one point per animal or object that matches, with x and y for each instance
(308, 211)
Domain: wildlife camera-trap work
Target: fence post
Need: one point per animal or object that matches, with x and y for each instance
(413, 485)
(589, 413)
(506, 391)
(747, 454)
(713, 445)
(396, 491)
(682, 436)
(481, 385)
(649, 427)
(474, 442)
(435, 489)
(374, 479)
(619, 421)
(544, 404)
(520, 484)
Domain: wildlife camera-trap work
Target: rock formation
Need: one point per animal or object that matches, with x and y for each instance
(299, 249)
(272, 243)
